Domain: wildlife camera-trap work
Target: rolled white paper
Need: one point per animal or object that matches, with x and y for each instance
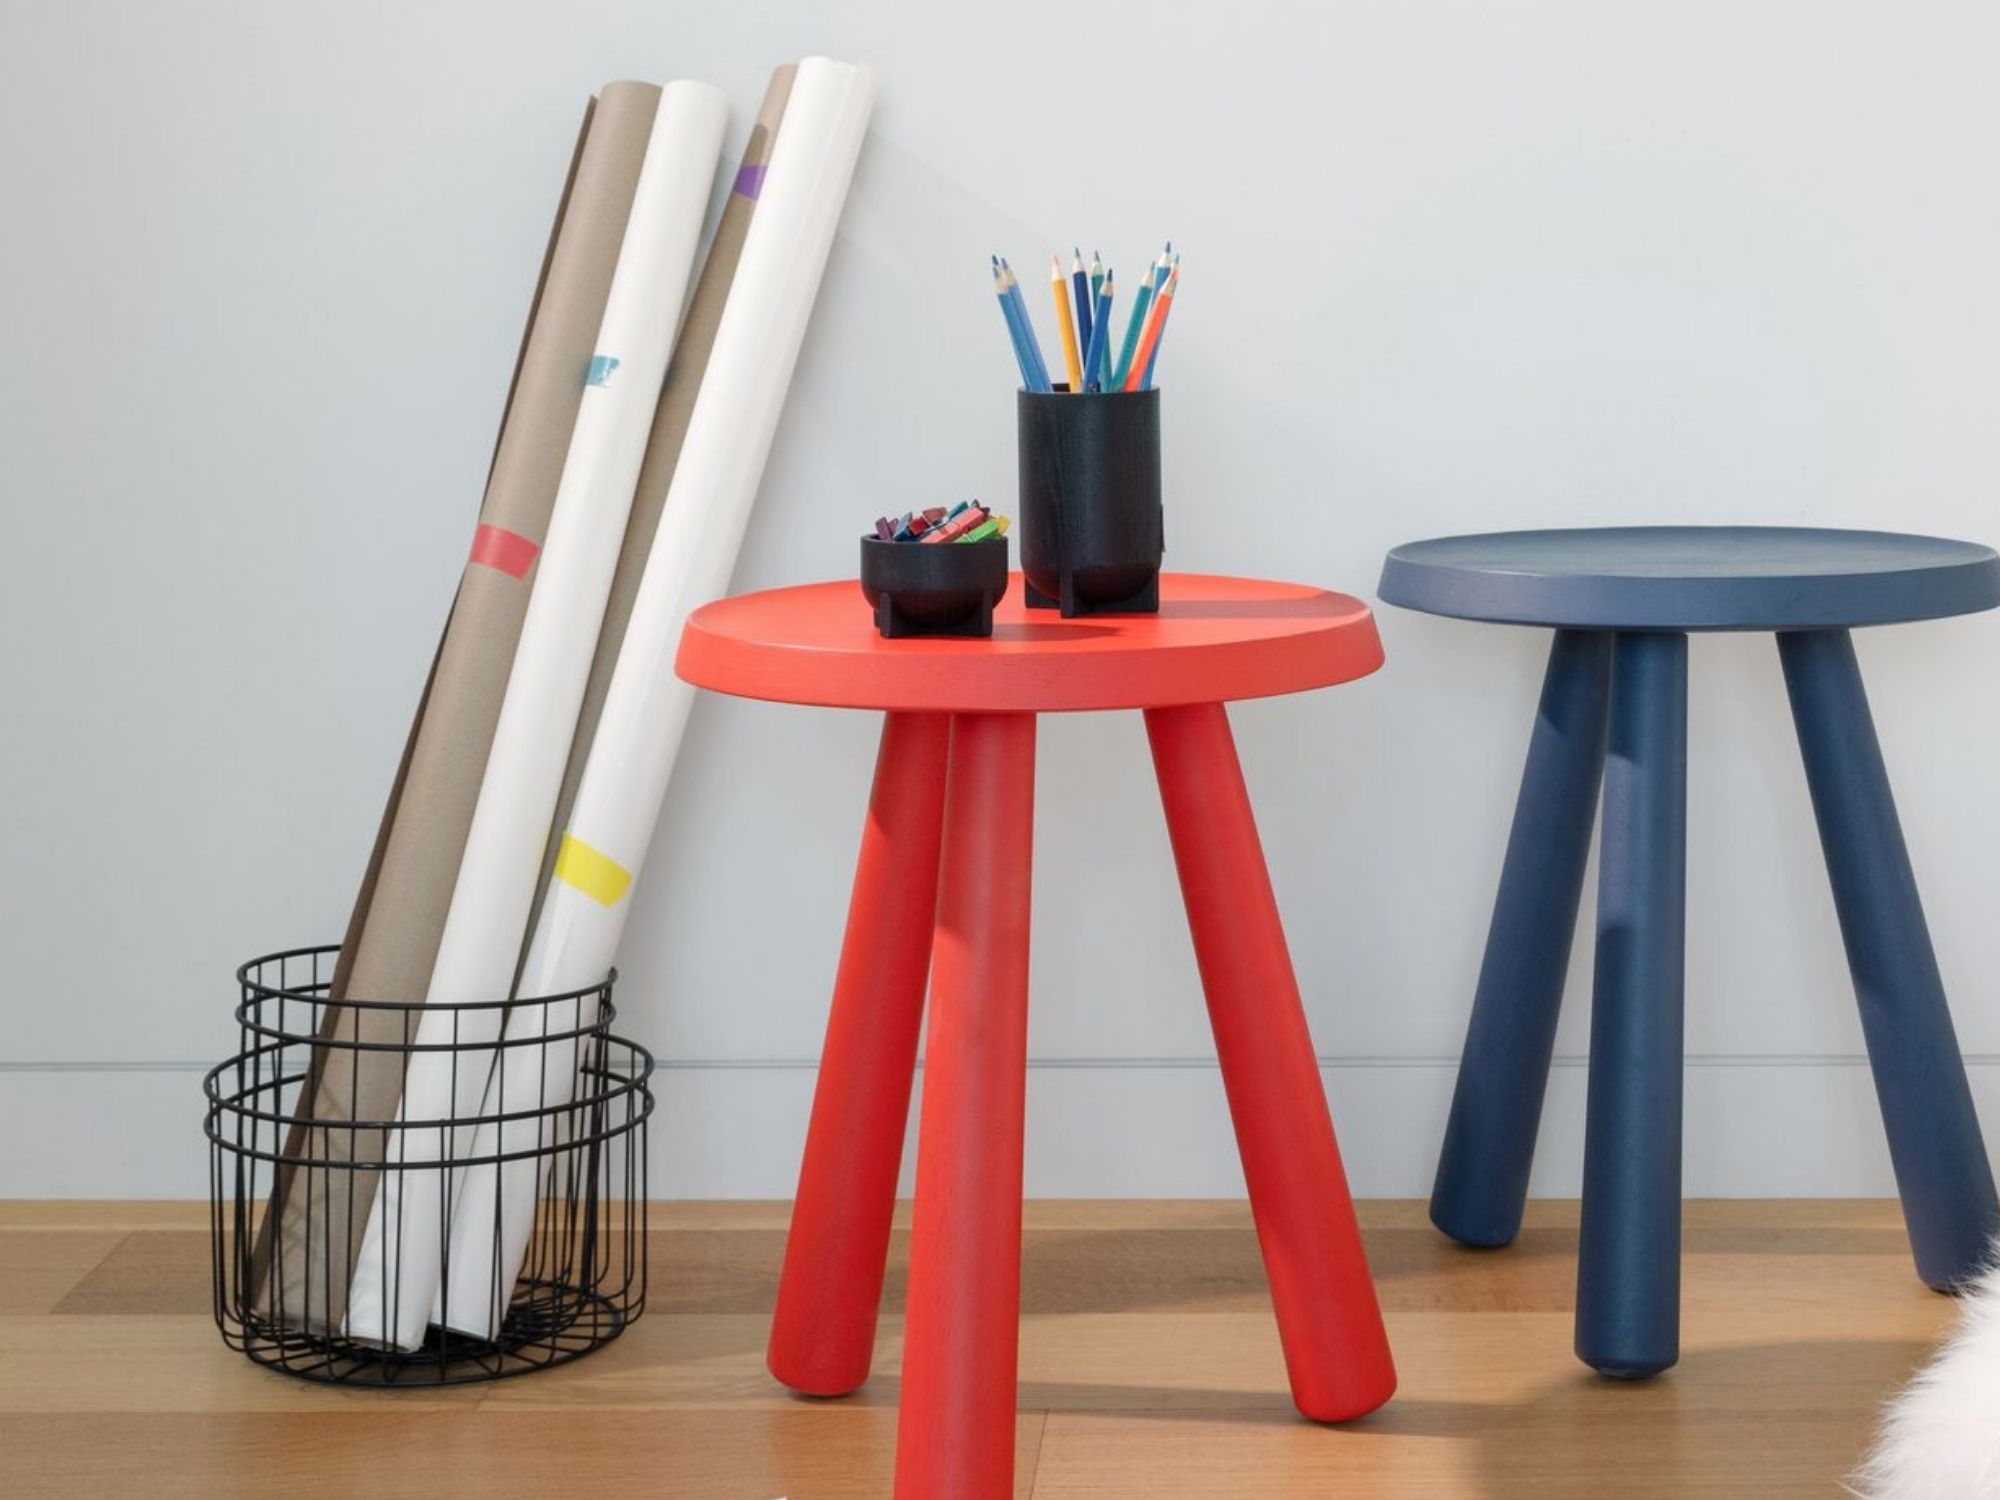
(646, 707)
(395, 1283)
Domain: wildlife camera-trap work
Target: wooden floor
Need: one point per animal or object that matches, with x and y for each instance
(1149, 1367)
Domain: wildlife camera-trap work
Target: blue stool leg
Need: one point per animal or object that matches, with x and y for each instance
(1941, 1166)
(1489, 1140)
(1628, 1260)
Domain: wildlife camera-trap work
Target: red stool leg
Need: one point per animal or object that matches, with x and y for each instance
(823, 1332)
(1335, 1348)
(955, 1434)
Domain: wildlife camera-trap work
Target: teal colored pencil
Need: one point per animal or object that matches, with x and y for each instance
(1134, 326)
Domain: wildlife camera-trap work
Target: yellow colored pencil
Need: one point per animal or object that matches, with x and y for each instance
(1067, 324)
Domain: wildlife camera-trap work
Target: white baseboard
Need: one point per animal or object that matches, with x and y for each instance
(1095, 1129)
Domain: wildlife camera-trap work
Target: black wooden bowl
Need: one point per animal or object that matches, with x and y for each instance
(934, 588)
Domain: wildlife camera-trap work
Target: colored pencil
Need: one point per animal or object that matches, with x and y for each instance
(1086, 302)
(1135, 325)
(1102, 372)
(1150, 342)
(1084, 298)
(1146, 380)
(1014, 331)
(1024, 328)
(1038, 368)
(1100, 329)
(1065, 326)
(1007, 316)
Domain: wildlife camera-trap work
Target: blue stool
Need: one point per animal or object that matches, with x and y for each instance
(1614, 709)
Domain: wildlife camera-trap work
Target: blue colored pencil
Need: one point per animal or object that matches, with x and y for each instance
(1013, 333)
(1100, 334)
(1038, 370)
(1080, 280)
(1018, 333)
(1102, 372)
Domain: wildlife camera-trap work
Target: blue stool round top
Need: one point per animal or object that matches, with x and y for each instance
(1693, 578)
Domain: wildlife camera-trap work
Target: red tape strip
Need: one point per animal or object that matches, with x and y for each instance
(508, 551)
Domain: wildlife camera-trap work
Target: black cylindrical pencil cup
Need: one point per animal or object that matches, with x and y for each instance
(934, 588)
(1092, 529)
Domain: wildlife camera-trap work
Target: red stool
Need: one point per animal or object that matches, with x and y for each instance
(942, 886)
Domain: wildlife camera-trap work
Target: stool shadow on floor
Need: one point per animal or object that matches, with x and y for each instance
(1761, 1419)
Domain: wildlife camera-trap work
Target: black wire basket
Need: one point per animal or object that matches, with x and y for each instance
(291, 1195)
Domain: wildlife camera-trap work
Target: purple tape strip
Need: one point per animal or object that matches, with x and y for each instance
(749, 180)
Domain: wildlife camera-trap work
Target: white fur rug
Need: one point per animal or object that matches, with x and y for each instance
(1940, 1438)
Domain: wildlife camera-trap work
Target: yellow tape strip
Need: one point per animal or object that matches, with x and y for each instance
(597, 875)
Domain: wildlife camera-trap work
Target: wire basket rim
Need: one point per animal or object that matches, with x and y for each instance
(318, 993)
(607, 1013)
(230, 1106)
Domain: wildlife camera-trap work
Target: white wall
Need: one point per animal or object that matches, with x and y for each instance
(1449, 267)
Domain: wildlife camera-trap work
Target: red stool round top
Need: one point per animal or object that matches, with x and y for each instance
(1214, 640)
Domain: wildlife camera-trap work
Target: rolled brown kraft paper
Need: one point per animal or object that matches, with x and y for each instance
(393, 939)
